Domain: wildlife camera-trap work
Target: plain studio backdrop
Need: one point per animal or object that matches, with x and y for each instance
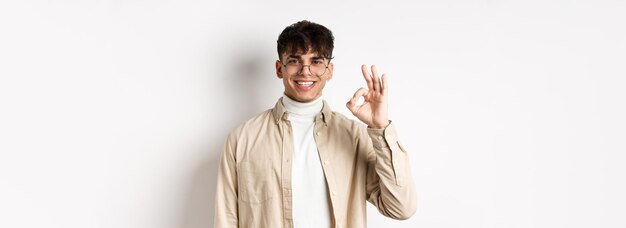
(113, 113)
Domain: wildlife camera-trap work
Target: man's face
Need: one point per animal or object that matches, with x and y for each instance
(303, 85)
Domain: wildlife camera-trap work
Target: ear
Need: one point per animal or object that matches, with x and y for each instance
(331, 67)
(279, 69)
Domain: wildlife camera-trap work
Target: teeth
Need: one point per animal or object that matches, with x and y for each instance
(305, 83)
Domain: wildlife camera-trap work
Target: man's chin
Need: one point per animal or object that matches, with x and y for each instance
(304, 99)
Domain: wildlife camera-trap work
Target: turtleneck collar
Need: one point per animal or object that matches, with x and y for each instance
(309, 109)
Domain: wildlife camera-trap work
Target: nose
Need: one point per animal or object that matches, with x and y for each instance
(308, 67)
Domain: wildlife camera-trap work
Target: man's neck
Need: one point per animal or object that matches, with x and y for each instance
(311, 108)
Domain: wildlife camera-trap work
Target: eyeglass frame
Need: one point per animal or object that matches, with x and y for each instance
(309, 66)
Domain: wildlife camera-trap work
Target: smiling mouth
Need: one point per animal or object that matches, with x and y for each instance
(305, 85)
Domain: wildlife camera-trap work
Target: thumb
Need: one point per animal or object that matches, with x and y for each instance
(352, 102)
(351, 105)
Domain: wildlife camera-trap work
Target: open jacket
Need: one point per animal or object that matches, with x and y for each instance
(360, 164)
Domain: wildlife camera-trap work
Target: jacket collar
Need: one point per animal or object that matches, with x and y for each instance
(280, 112)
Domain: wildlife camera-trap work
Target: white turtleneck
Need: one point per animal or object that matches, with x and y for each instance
(308, 186)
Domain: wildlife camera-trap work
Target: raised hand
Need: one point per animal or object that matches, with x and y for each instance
(373, 111)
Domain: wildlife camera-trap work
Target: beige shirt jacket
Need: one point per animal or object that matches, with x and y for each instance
(360, 164)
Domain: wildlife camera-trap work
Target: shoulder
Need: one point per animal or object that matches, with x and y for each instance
(254, 124)
(343, 123)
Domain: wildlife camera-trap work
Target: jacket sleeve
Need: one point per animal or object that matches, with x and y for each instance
(390, 186)
(226, 211)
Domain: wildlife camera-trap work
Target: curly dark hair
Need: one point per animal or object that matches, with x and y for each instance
(304, 35)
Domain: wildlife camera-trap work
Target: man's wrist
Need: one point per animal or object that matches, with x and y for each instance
(379, 126)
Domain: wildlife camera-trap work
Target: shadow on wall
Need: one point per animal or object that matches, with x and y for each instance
(241, 87)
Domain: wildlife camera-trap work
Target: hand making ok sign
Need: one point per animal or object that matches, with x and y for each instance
(373, 111)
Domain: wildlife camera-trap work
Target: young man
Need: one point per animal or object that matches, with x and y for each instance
(300, 164)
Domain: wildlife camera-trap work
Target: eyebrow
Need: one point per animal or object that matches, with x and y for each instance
(300, 57)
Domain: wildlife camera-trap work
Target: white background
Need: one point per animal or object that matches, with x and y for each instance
(113, 113)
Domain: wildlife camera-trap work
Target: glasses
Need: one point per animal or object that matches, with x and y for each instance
(317, 67)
